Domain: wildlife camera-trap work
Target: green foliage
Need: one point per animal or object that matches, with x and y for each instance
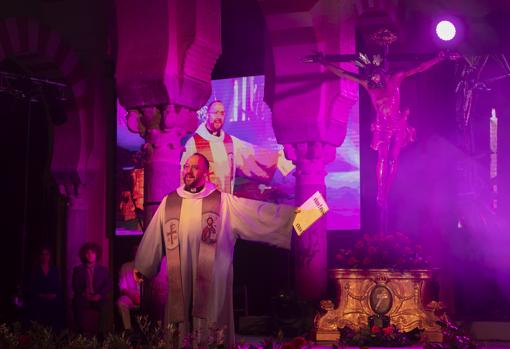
(150, 336)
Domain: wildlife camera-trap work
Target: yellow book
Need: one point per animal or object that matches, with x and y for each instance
(309, 212)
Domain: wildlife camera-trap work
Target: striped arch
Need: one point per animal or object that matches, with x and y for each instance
(21, 36)
(373, 15)
(363, 6)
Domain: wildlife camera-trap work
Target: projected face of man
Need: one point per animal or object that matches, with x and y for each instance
(215, 116)
(194, 172)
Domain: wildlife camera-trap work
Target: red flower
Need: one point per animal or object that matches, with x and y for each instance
(360, 244)
(24, 340)
(375, 329)
(352, 260)
(298, 342)
(295, 343)
(388, 330)
(268, 343)
(287, 346)
(382, 250)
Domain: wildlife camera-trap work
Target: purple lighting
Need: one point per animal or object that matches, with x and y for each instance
(445, 30)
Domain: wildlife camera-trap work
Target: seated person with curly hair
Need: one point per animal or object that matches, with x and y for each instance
(90, 288)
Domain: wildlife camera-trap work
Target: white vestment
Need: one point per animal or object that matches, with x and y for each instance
(129, 290)
(126, 280)
(251, 161)
(240, 218)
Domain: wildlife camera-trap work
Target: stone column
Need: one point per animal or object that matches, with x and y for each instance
(163, 131)
(310, 249)
(310, 110)
(165, 58)
(77, 212)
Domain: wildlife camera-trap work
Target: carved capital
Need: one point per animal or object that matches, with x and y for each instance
(75, 195)
(310, 157)
(151, 121)
(141, 120)
(180, 117)
(162, 128)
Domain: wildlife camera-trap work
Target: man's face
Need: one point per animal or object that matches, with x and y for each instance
(194, 172)
(215, 117)
(90, 256)
(45, 256)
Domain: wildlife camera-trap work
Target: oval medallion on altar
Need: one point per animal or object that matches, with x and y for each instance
(381, 299)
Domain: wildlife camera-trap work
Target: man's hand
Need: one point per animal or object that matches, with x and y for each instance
(137, 276)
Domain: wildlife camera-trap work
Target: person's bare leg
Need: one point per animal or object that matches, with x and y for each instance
(124, 305)
(382, 174)
(394, 152)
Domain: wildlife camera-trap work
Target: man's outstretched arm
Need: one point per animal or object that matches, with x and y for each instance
(260, 221)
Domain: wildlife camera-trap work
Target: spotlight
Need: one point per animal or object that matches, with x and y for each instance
(445, 30)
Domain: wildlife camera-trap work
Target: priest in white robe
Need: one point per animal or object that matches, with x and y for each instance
(228, 154)
(196, 227)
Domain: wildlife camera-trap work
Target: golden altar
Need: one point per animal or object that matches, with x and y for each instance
(362, 293)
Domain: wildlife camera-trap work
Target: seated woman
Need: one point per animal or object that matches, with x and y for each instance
(44, 293)
(90, 287)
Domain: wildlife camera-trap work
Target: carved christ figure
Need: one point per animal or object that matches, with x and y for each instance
(390, 129)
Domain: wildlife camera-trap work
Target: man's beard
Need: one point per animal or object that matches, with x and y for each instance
(218, 124)
(192, 186)
(215, 126)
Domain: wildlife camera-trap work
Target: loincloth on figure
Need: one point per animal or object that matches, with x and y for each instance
(400, 133)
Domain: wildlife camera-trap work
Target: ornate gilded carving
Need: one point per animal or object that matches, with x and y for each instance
(363, 293)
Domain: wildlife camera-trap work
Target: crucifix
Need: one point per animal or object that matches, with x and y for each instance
(391, 131)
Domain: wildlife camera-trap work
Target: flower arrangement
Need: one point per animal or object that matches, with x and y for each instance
(376, 336)
(393, 251)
